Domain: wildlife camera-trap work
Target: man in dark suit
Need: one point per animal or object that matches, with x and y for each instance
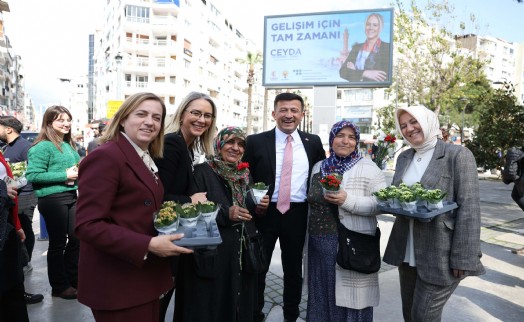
(266, 153)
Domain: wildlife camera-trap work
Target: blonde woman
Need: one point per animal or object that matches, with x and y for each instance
(123, 269)
(191, 128)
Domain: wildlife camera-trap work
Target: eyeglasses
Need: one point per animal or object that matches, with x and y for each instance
(198, 114)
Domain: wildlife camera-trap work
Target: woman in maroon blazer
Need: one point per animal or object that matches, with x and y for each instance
(122, 269)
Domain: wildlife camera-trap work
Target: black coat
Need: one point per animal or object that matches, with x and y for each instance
(212, 290)
(375, 61)
(175, 168)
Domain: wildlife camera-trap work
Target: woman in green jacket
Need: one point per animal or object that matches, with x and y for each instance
(53, 171)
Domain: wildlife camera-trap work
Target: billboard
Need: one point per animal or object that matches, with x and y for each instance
(112, 107)
(343, 48)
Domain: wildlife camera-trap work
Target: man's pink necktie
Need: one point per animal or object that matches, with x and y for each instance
(284, 192)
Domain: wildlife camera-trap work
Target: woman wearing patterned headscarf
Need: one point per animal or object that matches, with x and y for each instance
(329, 297)
(433, 257)
(230, 294)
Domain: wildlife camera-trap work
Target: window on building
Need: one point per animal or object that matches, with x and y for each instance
(187, 48)
(137, 14)
(186, 83)
(172, 79)
(187, 64)
(171, 100)
(141, 81)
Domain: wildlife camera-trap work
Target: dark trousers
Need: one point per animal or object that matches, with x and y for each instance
(58, 211)
(147, 312)
(26, 208)
(290, 230)
(422, 301)
(517, 197)
(12, 302)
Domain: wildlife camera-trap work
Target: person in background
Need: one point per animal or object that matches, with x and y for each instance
(433, 257)
(287, 173)
(94, 143)
(191, 128)
(374, 149)
(445, 135)
(15, 151)
(123, 266)
(514, 172)
(230, 295)
(53, 170)
(329, 298)
(79, 142)
(368, 61)
(12, 301)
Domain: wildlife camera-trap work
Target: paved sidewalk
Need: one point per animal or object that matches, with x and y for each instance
(496, 296)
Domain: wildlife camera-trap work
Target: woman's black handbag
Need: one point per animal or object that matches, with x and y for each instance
(357, 251)
(254, 257)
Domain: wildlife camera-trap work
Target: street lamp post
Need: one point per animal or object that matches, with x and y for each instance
(118, 59)
(465, 100)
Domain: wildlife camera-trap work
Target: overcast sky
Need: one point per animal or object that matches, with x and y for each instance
(52, 36)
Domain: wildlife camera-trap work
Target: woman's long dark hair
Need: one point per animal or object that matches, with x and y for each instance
(47, 133)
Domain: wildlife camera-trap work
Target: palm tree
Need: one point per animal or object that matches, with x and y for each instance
(251, 59)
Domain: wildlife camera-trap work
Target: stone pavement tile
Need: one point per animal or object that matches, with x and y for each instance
(511, 238)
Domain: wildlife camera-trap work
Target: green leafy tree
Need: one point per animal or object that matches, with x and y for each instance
(430, 67)
(500, 127)
(252, 59)
(386, 119)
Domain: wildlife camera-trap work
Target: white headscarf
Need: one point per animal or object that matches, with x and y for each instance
(429, 124)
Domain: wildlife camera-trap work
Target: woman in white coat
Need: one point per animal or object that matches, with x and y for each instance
(336, 294)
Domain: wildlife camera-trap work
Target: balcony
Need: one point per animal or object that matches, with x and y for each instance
(165, 7)
(136, 24)
(163, 66)
(137, 64)
(164, 25)
(164, 46)
(136, 45)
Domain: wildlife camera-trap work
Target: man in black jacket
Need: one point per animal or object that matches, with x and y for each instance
(514, 172)
(266, 155)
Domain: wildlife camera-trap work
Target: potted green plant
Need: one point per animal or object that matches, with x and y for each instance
(258, 191)
(208, 212)
(166, 220)
(331, 183)
(408, 200)
(189, 215)
(434, 198)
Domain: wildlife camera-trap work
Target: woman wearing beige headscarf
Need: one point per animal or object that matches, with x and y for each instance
(433, 257)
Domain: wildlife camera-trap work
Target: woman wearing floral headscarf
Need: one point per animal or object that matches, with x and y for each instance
(433, 257)
(230, 294)
(331, 297)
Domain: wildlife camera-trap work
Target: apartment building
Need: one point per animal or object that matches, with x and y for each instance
(505, 59)
(171, 47)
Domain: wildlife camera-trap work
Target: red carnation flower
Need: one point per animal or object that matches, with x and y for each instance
(242, 165)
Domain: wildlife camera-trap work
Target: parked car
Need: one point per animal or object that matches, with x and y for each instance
(29, 136)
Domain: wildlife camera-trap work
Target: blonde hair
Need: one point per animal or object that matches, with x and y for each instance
(205, 142)
(379, 17)
(111, 133)
(47, 133)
